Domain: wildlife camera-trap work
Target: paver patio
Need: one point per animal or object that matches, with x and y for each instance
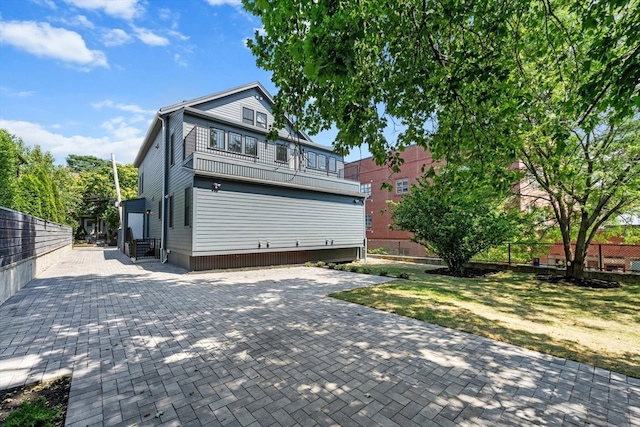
(267, 347)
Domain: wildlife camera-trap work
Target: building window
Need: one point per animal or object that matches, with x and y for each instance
(160, 209)
(311, 160)
(187, 206)
(281, 153)
(216, 139)
(235, 143)
(171, 211)
(250, 146)
(172, 154)
(322, 162)
(247, 116)
(402, 186)
(261, 120)
(141, 183)
(366, 189)
(367, 221)
(332, 164)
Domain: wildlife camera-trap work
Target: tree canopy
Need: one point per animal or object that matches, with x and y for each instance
(455, 217)
(554, 83)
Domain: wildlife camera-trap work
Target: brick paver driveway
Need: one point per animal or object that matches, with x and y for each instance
(267, 347)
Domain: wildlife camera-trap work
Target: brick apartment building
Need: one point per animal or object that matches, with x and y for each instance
(377, 215)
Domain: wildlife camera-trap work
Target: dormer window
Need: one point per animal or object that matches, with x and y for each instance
(247, 116)
(261, 120)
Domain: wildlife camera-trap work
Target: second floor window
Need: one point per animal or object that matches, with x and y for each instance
(281, 154)
(235, 143)
(247, 116)
(322, 162)
(332, 164)
(402, 186)
(250, 146)
(311, 160)
(216, 139)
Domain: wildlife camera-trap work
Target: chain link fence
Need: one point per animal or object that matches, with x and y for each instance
(600, 256)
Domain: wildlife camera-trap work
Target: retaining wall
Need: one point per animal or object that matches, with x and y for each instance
(28, 246)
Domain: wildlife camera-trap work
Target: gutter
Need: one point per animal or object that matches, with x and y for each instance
(165, 197)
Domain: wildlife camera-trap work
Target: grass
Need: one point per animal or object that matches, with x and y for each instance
(593, 326)
(32, 414)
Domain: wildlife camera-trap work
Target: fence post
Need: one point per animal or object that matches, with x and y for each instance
(600, 256)
(509, 251)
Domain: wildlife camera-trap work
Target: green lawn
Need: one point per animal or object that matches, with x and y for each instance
(593, 326)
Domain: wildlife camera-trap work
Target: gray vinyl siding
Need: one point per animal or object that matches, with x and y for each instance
(179, 236)
(151, 168)
(230, 107)
(241, 217)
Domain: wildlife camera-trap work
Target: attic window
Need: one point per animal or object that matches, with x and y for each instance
(247, 116)
(261, 120)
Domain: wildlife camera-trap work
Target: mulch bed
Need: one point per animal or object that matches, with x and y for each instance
(584, 282)
(56, 392)
(468, 272)
(558, 279)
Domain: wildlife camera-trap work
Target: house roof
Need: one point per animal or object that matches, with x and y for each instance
(156, 124)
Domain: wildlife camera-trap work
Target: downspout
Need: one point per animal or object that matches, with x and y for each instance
(163, 235)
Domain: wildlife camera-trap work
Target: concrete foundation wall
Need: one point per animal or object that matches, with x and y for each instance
(28, 246)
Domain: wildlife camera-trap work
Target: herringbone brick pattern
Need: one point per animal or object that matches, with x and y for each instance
(150, 345)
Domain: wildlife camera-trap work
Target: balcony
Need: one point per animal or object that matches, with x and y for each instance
(264, 166)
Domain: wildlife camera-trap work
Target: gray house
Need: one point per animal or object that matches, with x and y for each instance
(215, 193)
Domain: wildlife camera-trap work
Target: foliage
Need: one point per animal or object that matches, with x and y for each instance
(454, 216)
(32, 184)
(553, 83)
(96, 185)
(32, 414)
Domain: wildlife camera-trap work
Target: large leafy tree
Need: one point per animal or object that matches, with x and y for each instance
(476, 83)
(455, 216)
(31, 183)
(96, 185)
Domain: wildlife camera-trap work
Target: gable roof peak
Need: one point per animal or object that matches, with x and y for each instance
(217, 95)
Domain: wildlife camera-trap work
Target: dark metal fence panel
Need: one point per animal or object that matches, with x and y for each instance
(145, 248)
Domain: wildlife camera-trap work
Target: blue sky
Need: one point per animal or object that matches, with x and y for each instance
(87, 76)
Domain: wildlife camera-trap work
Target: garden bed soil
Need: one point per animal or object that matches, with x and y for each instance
(584, 282)
(468, 272)
(56, 392)
(558, 279)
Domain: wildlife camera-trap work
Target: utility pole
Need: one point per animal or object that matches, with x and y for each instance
(115, 178)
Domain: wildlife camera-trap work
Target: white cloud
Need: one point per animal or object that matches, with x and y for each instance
(221, 2)
(148, 37)
(178, 35)
(179, 60)
(124, 141)
(41, 39)
(46, 3)
(125, 9)
(115, 37)
(16, 94)
(129, 108)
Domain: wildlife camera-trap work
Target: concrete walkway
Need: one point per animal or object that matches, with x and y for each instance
(148, 344)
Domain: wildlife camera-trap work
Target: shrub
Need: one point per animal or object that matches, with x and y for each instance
(367, 270)
(309, 264)
(383, 273)
(403, 276)
(320, 264)
(340, 267)
(331, 266)
(353, 268)
(32, 414)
